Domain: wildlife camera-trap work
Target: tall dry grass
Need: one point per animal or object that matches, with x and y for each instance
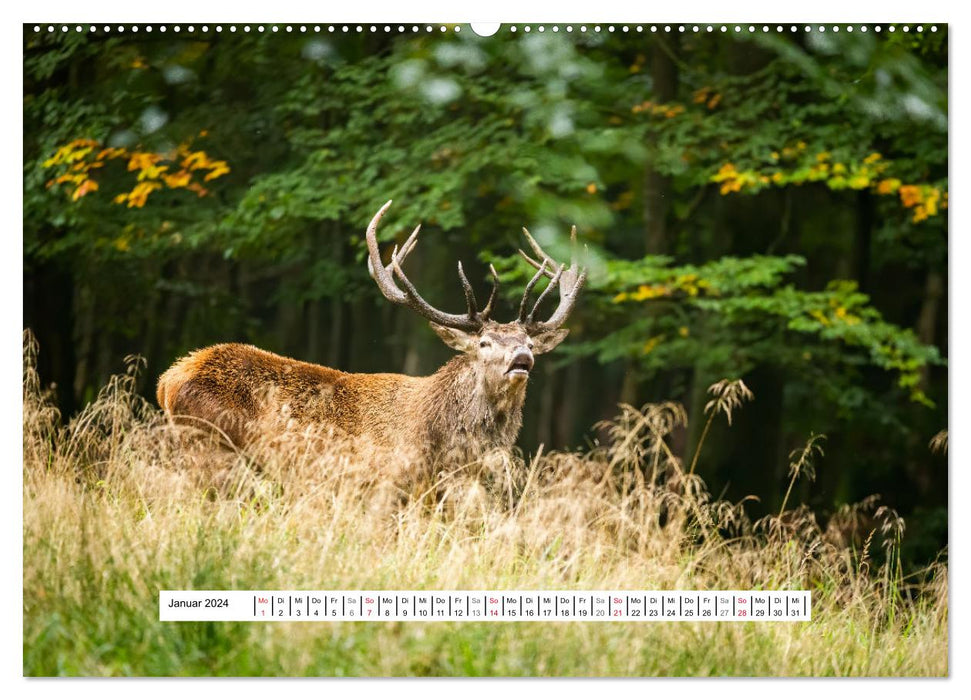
(119, 504)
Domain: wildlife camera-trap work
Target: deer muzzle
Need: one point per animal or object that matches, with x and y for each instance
(521, 363)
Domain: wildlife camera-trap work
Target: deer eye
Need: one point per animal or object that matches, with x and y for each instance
(484, 344)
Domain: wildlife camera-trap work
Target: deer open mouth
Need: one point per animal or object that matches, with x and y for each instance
(520, 366)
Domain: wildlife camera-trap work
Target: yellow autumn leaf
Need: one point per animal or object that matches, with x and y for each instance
(138, 196)
(651, 344)
(58, 157)
(219, 168)
(820, 316)
(179, 179)
(196, 160)
(726, 171)
(820, 171)
(846, 317)
(645, 292)
(83, 189)
(109, 153)
(152, 172)
(910, 195)
(76, 178)
(731, 186)
(888, 186)
(142, 160)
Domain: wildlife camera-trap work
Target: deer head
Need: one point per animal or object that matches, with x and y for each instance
(504, 351)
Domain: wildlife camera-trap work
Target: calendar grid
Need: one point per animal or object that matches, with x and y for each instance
(486, 606)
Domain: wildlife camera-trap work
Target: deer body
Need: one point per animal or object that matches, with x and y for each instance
(447, 415)
(471, 405)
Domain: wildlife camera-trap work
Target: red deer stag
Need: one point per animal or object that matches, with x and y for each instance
(469, 406)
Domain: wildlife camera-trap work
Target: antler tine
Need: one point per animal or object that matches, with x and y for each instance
(534, 245)
(529, 290)
(567, 301)
(384, 277)
(409, 244)
(379, 273)
(528, 259)
(573, 248)
(414, 301)
(469, 294)
(570, 281)
(537, 250)
(401, 254)
(487, 311)
(549, 288)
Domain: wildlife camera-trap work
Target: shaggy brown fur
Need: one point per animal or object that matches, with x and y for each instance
(473, 404)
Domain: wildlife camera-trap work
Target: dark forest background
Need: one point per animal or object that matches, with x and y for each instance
(767, 206)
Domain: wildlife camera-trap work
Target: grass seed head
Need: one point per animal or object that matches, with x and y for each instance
(729, 395)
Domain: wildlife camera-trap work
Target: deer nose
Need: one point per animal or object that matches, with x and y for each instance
(522, 361)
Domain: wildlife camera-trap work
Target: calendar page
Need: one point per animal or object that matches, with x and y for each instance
(534, 349)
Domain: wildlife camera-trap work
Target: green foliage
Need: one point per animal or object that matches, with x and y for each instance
(730, 315)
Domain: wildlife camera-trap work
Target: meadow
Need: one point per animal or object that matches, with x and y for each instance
(119, 504)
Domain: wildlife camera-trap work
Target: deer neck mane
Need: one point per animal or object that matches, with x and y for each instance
(469, 415)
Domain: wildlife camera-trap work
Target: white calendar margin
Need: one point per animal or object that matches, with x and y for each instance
(508, 606)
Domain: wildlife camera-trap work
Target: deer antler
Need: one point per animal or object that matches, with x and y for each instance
(570, 280)
(384, 275)
(487, 311)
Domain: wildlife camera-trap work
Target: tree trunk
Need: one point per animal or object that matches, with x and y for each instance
(544, 427)
(565, 418)
(84, 312)
(49, 313)
(862, 240)
(337, 334)
(657, 187)
(927, 319)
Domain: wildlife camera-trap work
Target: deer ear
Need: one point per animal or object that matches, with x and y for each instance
(454, 338)
(547, 340)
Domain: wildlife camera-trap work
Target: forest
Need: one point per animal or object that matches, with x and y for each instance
(768, 207)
